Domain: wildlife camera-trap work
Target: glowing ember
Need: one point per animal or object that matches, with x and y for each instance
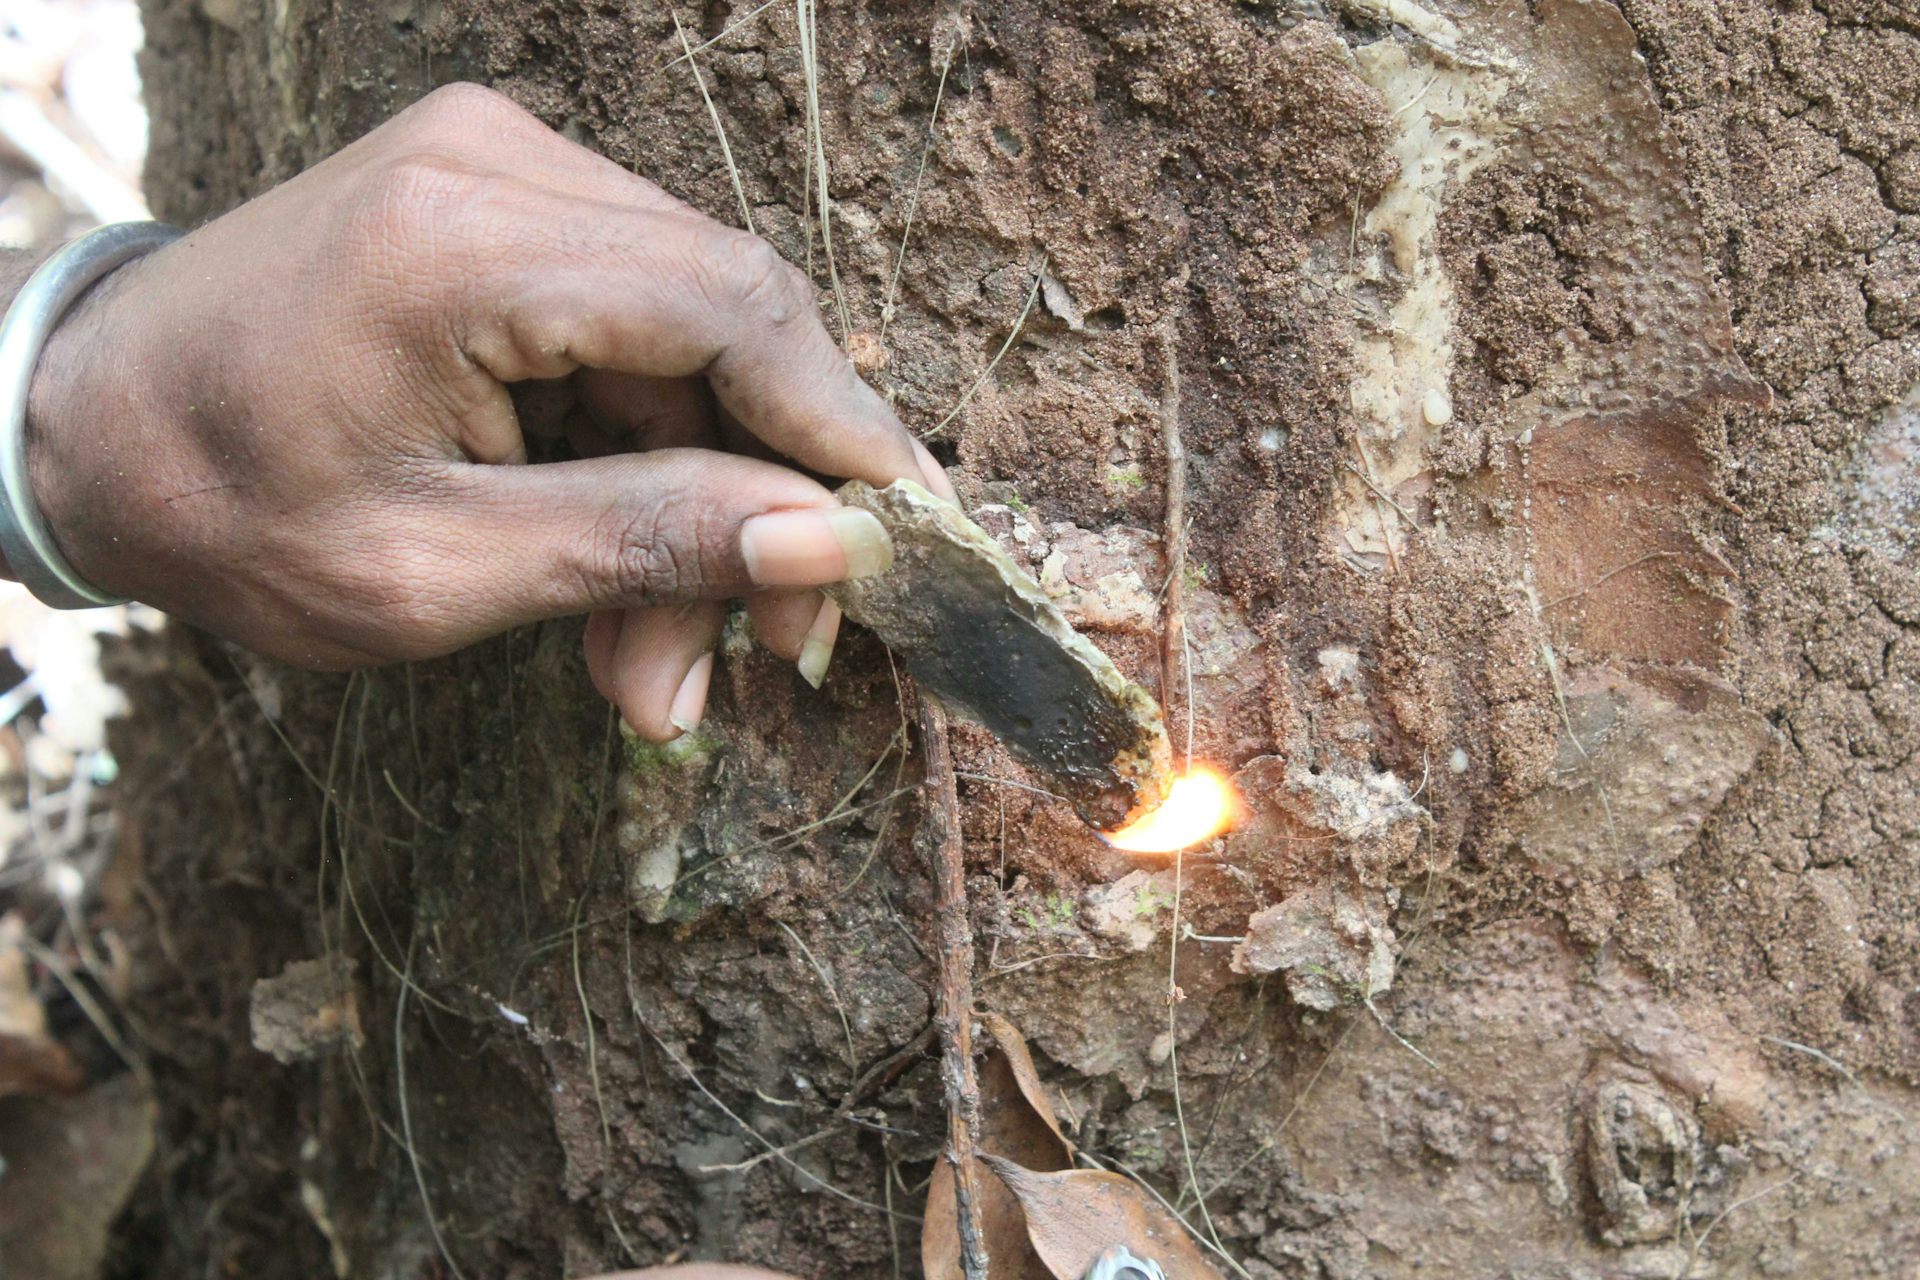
(1200, 805)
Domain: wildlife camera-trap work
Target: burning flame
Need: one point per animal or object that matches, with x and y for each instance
(1200, 805)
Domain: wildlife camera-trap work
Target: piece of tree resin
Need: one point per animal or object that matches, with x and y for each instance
(975, 629)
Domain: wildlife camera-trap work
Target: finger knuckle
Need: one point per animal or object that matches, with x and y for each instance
(415, 203)
(764, 285)
(432, 178)
(642, 554)
(464, 109)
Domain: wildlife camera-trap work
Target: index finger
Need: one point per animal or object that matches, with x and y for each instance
(666, 294)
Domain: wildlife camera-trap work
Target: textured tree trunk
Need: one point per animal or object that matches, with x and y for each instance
(1546, 382)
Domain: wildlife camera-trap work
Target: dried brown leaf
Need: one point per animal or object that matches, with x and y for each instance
(1026, 1078)
(1009, 1254)
(1075, 1216)
(1017, 1122)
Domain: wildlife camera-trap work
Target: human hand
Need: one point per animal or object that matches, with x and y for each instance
(294, 426)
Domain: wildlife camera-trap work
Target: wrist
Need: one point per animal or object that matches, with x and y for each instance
(84, 405)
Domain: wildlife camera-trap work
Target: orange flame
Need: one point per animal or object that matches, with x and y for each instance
(1200, 805)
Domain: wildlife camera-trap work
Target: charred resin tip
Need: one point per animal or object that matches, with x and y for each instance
(973, 627)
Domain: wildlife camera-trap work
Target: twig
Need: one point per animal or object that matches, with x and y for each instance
(807, 14)
(773, 1151)
(1187, 932)
(732, 29)
(1293, 1109)
(1573, 736)
(888, 1069)
(790, 837)
(1844, 1070)
(96, 1013)
(1416, 97)
(713, 113)
(1009, 782)
(1173, 618)
(1174, 997)
(833, 993)
(1634, 563)
(1693, 1254)
(953, 937)
(994, 363)
(1173, 643)
(900, 739)
(1382, 494)
(913, 201)
(406, 1113)
(886, 1186)
(777, 1153)
(1399, 1039)
(1386, 528)
(997, 970)
(579, 979)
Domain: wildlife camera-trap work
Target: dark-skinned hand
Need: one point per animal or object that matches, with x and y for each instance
(304, 426)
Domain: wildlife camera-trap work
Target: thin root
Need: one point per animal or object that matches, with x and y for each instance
(720, 130)
(913, 201)
(994, 363)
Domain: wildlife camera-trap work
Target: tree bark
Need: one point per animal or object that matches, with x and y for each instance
(1548, 384)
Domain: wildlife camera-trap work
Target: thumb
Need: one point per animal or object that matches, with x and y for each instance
(632, 530)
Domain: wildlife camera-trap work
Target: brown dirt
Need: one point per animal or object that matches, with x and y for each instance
(1655, 937)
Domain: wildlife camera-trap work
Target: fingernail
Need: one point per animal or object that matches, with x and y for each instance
(937, 482)
(810, 548)
(816, 651)
(690, 702)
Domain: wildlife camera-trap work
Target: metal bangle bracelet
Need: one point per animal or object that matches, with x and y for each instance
(46, 297)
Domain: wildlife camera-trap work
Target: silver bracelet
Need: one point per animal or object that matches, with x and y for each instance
(41, 303)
